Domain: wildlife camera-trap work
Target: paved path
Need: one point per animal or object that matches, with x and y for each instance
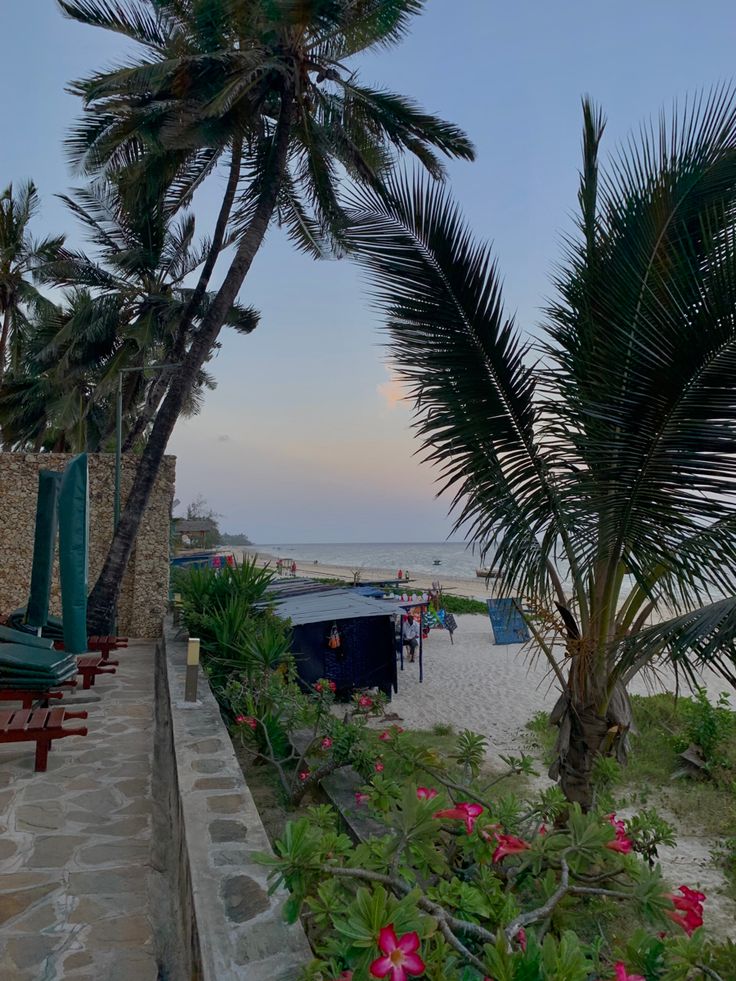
(75, 874)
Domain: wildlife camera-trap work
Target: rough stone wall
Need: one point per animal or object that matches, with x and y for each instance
(144, 593)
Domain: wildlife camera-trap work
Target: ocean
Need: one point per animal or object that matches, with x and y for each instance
(456, 559)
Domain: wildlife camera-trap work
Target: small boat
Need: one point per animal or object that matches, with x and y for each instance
(436, 561)
(486, 574)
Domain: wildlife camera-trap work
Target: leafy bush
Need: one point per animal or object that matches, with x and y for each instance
(710, 727)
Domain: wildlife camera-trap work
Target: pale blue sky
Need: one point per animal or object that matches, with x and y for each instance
(298, 443)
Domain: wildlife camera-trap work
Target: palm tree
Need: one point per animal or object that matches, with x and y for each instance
(596, 466)
(21, 257)
(266, 84)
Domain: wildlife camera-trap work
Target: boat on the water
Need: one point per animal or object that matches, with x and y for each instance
(486, 574)
(436, 561)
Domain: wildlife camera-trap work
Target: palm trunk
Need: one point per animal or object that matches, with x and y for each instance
(588, 732)
(160, 385)
(4, 341)
(104, 596)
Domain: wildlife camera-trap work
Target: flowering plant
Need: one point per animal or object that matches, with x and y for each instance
(466, 886)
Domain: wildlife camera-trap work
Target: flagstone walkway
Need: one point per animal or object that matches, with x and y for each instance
(77, 886)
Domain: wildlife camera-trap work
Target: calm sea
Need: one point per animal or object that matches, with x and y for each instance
(455, 558)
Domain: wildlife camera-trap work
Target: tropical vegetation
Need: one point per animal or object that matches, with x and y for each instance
(594, 465)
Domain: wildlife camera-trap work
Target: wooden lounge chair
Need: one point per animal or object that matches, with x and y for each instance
(41, 726)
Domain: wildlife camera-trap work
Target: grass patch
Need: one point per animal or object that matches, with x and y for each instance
(463, 604)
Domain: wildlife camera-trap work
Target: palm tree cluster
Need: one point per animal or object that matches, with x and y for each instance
(267, 92)
(595, 466)
(116, 310)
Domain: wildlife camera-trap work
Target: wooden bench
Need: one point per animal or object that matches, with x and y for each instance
(99, 645)
(41, 726)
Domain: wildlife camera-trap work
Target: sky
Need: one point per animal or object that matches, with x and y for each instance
(305, 438)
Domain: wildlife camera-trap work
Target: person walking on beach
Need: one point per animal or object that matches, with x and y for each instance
(411, 636)
(293, 569)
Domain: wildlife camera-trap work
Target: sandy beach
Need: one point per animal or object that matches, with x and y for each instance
(476, 588)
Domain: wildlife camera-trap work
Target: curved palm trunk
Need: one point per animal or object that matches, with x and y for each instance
(104, 596)
(160, 385)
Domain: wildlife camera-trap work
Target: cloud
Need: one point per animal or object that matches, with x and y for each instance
(224, 438)
(392, 391)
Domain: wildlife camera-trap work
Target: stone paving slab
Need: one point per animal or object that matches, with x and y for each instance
(75, 842)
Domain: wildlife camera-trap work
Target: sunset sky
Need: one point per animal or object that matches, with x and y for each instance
(304, 438)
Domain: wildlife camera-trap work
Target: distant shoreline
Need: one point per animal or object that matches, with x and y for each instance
(421, 582)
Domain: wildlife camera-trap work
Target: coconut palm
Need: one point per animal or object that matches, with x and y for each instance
(595, 467)
(267, 85)
(21, 257)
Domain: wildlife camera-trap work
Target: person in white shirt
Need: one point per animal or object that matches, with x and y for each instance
(411, 636)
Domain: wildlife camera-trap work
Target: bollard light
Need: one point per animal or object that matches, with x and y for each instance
(190, 683)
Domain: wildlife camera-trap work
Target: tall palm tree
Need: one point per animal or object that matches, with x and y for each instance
(21, 257)
(269, 86)
(596, 467)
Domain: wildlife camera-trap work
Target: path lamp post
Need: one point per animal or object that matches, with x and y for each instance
(119, 430)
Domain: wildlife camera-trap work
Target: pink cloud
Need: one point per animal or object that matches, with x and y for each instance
(392, 391)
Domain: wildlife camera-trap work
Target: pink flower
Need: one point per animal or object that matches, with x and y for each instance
(542, 829)
(333, 687)
(318, 688)
(385, 736)
(521, 937)
(326, 742)
(623, 975)
(378, 766)
(426, 793)
(400, 958)
(508, 845)
(691, 896)
(246, 720)
(304, 775)
(345, 976)
(365, 702)
(469, 813)
(361, 798)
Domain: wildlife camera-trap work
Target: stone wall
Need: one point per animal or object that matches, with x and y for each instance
(144, 593)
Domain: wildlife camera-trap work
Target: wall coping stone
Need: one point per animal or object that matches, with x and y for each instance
(240, 928)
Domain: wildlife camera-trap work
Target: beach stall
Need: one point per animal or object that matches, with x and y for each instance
(339, 634)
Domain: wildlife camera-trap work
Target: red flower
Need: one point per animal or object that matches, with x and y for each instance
(400, 958)
(469, 813)
(508, 845)
(623, 975)
(690, 902)
(378, 766)
(333, 687)
(365, 702)
(361, 798)
(318, 687)
(521, 937)
(385, 736)
(304, 775)
(426, 793)
(246, 720)
(622, 843)
(542, 829)
(345, 976)
(326, 742)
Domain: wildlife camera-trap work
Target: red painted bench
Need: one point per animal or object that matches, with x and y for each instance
(41, 726)
(91, 665)
(33, 696)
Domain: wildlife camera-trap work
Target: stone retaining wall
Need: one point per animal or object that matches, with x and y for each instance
(232, 928)
(145, 587)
